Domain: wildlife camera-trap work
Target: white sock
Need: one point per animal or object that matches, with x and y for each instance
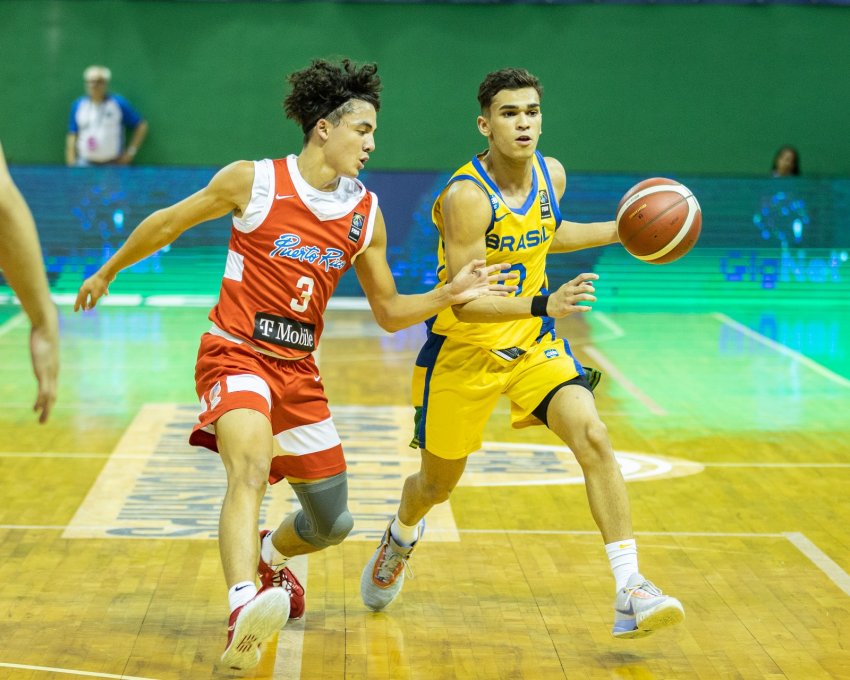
(403, 534)
(623, 558)
(271, 555)
(242, 593)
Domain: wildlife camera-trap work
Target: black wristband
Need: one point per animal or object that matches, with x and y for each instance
(538, 305)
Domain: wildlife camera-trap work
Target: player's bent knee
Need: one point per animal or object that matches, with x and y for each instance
(597, 435)
(340, 529)
(254, 476)
(324, 519)
(324, 535)
(434, 494)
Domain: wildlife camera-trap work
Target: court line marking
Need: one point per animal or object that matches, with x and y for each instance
(777, 465)
(12, 323)
(290, 641)
(402, 457)
(137, 300)
(820, 559)
(69, 671)
(627, 384)
(615, 329)
(830, 568)
(782, 349)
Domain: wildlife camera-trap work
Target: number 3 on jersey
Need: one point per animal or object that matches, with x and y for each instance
(305, 285)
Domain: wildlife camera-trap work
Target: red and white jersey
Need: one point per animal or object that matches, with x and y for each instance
(287, 253)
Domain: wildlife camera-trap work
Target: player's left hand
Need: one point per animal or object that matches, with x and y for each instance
(478, 279)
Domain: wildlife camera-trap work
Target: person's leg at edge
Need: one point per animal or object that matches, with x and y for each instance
(572, 416)
(245, 445)
(432, 485)
(322, 521)
(244, 440)
(383, 575)
(640, 607)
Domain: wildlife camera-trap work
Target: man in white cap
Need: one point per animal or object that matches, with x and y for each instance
(96, 130)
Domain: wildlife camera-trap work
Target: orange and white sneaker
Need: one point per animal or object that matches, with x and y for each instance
(641, 609)
(383, 575)
(282, 578)
(252, 624)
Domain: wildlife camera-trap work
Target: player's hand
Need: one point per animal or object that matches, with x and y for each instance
(93, 288)
(44, 349)
(566, 299)
(477, 279)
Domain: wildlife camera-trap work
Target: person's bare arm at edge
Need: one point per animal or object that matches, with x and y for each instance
(23, 267)
(572, 236)
(228, 191)
(394, 311)
(466, 216)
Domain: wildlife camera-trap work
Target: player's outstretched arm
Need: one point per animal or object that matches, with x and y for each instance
(23, 267)
(229, 190)
(394, 311)
(572, 236)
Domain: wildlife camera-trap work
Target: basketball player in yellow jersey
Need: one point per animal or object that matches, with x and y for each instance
(503, 206)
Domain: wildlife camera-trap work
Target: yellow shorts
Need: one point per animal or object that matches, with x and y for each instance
(457, 386)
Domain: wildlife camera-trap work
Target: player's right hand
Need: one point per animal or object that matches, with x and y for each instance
(566, 299)
(93, 288)
(44, 349)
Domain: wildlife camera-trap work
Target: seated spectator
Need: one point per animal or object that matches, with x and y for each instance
(786, 162)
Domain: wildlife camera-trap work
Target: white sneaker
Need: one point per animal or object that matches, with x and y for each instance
(252, 624)
(383, 575)
(641, 609)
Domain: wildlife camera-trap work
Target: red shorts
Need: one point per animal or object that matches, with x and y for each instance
(289, 393)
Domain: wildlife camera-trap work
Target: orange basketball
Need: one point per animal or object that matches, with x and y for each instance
(658, 220)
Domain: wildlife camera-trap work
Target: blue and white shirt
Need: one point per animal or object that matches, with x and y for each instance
(99, 127)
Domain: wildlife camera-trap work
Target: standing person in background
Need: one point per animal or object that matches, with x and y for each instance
(299, 223)
(503, 206)
(23, 267)
(786, 162)
(96, 130)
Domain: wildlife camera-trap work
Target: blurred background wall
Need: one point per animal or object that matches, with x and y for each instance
(634, 88)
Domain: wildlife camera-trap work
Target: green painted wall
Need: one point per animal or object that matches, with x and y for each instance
(687, 89)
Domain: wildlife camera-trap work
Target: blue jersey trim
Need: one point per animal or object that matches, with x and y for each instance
(553, 199)
(73, 128)
(129, 116)
(547, 323)
(579, 368)
(477, 181)
(427, 359)
(529, 201)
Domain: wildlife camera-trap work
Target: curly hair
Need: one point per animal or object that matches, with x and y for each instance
(505, 79)
(325, 90)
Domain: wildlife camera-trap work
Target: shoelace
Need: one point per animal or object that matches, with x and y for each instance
(390, 563)
(647, 586)
(282, 579)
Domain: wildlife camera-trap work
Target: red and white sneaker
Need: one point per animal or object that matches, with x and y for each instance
(252, 624)
(282, 578)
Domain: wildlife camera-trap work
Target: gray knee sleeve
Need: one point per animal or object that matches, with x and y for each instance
(324, 519)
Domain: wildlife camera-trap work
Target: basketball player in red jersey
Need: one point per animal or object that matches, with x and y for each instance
(298, 224)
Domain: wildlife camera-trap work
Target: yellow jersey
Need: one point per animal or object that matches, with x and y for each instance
(519, 236)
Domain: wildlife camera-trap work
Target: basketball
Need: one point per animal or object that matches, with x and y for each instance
(658, 220)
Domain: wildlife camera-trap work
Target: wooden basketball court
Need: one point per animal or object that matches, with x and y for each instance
(735, 447)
